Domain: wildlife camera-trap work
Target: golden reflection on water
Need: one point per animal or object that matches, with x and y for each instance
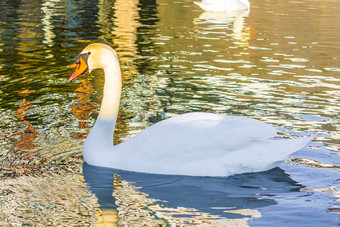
(26, 143)
(47, 200)
(48, 9)
(84, 108)
(107, 218)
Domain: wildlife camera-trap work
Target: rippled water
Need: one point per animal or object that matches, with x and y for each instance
(279, 63)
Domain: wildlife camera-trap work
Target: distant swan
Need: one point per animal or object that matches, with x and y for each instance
(197, 144)
(223, 5)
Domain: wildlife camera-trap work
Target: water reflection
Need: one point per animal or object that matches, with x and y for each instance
(223, 198)
(48, 9)
(26, 143)
(261, 64)
(46, 200)
(84, 108)
(223, 20)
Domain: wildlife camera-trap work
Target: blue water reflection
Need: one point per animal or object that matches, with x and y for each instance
(244, 191)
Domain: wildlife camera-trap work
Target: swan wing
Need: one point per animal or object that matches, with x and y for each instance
(196, 136)
(205, 144)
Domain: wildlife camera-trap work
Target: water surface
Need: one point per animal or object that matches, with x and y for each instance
(278, 62)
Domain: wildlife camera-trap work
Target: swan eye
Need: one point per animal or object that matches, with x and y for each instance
(83, 56)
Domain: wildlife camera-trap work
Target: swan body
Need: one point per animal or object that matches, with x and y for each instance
(196, 144)
(223, 5)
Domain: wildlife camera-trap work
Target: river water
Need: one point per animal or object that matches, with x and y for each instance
(279, 62)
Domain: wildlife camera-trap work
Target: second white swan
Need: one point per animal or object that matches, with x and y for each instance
(196, 144)
(223, 5)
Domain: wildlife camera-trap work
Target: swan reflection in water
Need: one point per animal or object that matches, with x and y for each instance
(219, 21)
(236, 197)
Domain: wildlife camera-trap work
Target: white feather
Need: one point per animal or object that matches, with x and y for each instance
(223, 5)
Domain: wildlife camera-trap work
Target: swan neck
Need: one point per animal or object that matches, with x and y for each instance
(102, 132)
(112, 92)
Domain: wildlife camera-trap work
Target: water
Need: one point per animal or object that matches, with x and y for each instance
(272, 63)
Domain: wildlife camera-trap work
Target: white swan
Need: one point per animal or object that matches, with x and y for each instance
(197, 144)
(223, 5)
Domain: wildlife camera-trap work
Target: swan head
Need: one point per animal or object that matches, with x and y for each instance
(94, 56)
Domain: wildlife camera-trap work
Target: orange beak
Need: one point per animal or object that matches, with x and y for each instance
(82, 69)
(72, 66)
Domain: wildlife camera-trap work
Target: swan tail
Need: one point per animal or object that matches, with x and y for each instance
(287, 147)
(260, 155)
(274, 151)
(263, 155)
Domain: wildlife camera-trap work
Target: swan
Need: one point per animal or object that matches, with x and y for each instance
(223, 5)
(194, 144)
